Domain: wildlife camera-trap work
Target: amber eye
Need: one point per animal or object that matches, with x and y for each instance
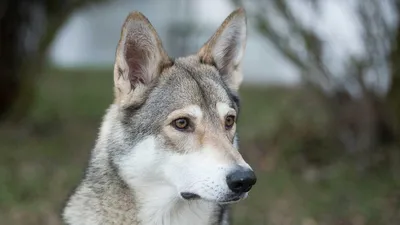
(229, 122)
(181, 123)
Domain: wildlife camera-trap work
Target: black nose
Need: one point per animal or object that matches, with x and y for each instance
(241, 180)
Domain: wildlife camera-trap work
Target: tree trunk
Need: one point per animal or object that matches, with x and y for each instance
(11, 55)
(22, 59)
(394, 92)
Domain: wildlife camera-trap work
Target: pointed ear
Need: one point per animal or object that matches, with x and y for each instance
(140, 58)
(225, 49)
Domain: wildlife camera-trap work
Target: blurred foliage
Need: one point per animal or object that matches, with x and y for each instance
(307, 144)
(364, 119)
(43, 158)
(27, 28)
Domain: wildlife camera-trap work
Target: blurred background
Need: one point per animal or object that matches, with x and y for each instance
(320, 118)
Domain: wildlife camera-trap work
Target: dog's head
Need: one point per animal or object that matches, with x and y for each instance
(175, 120)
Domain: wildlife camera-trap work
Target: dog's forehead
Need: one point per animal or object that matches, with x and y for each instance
(190, 82)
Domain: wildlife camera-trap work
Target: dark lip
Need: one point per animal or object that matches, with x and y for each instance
(231, 200)
(189, 195)
(193, 196)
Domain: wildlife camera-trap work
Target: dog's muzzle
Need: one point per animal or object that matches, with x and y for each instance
(239, 182)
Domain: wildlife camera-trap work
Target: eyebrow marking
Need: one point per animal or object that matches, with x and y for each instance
(191, 110)
(224, 109)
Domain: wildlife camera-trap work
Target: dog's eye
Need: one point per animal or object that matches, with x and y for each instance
(181, 123)
(229, 122)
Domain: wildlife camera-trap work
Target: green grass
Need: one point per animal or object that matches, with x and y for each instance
(42, 158)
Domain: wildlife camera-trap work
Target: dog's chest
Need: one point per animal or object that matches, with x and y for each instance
(194, 213)
(158, 204)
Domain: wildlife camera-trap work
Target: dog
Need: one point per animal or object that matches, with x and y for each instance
(167, 150)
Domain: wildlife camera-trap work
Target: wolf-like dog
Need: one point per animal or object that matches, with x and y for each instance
(167, 149)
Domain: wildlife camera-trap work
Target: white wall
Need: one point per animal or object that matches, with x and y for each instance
(91, 35)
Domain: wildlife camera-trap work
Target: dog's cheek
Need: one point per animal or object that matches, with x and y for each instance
(232, 134)
(142, 159)
(178, 141)
(176, 169)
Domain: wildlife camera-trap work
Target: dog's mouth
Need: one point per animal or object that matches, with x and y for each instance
(227, 200)
(189, 196)
(233, 199)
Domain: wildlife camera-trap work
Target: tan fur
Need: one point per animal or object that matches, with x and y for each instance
(206, 134)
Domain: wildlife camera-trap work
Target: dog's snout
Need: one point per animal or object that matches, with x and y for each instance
(241, 180)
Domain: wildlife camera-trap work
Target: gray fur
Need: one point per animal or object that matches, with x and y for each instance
(103, 196)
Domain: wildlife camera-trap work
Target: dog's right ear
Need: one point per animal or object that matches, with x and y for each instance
(140, 58)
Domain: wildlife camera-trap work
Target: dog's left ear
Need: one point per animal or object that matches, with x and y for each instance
(225, 49)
